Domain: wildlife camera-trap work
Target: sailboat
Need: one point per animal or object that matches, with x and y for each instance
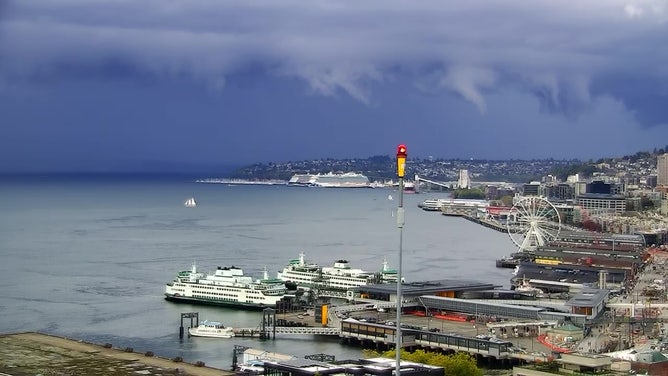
(190, 203)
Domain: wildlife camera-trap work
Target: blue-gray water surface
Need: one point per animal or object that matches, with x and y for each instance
(88, 258)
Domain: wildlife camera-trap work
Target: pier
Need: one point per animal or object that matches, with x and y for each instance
(494, 225)
(288, 330)
(383, 337)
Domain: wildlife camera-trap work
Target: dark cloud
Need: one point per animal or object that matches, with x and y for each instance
(563, 59)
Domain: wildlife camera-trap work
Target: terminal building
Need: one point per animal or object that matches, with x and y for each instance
(473, 299)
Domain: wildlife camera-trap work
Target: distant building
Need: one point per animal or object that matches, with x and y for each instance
(550, 179)
(464, 181)
(531, 189)
(580, 187)
(600, 203)
(662, 169)
(558, 192)
(598, 186)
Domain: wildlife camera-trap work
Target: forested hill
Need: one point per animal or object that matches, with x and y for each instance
(519, 171)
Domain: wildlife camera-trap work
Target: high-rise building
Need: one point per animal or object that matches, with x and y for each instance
(464, 179)
(662, 169)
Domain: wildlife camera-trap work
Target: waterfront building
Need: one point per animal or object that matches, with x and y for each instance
(260, 362)
(374, 366)
(595, 203)
(577, 363)
(411, 291)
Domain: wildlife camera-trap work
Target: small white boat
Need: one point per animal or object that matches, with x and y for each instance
(211, 329)
(389, 197)
(190, 203)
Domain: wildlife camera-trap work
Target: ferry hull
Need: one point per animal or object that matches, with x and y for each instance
(198, 301)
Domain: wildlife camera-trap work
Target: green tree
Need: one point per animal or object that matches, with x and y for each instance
(473, 193)
(507, 200)
(458, 364)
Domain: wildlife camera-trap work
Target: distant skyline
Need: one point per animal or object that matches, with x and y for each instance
(174, 86)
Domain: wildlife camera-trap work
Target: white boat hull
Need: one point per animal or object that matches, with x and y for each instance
(219, 333)
(214, 329)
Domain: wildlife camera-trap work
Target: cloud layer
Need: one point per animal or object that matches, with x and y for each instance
(563, 52)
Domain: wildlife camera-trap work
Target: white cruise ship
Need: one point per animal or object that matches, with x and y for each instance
(226, 287)
(340, 276)
(330, 180)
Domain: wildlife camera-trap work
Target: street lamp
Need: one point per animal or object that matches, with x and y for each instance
(401, 168)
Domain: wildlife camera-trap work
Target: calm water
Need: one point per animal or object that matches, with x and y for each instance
(88, 258)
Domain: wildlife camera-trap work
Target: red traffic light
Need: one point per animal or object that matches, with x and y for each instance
(401, 150)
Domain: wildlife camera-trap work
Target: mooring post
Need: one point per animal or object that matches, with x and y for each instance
(268, 321)
(188, 315)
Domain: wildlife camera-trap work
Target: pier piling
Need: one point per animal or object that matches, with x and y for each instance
(191, 316)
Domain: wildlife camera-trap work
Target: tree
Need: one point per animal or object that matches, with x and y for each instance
(473, 193)
(458, 364)
(507, 200)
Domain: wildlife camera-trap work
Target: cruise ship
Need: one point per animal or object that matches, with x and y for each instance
(227, 286)
(339, 276)
(330, 180)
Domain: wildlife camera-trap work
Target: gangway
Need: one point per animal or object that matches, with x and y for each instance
(295, 330)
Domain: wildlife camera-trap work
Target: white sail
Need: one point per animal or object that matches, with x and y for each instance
(190, 203)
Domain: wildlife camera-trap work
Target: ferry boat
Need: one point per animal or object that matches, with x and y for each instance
(432, 204)
(213, 329)
(227, 286)
(330, 180)
(338, 276)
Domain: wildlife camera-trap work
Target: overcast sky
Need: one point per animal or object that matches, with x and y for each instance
(91, 85)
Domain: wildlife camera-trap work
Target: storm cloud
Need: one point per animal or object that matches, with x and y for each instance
(570, 56)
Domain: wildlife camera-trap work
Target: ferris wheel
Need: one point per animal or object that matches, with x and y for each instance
(533, 221)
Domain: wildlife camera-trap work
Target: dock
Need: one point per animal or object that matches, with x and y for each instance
(489, 224)
(288, 330)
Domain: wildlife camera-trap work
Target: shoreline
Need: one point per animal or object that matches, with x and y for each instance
(39, 353)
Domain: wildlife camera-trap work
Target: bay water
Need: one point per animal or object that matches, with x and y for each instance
(88, 257)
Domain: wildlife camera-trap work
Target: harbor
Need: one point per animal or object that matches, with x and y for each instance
(113, 310)
(518, 326)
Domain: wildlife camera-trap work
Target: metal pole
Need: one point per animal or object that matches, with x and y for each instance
(400, 224)
(401, 167)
